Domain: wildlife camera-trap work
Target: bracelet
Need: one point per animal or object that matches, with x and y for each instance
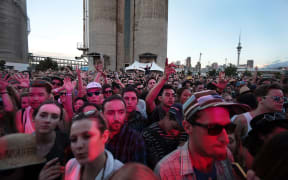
(69, 94)
(4, 92)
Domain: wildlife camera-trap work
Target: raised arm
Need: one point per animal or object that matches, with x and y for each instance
(7, 102)
(153, 93)
(69, 87)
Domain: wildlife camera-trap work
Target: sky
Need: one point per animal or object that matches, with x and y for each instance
(210, 27)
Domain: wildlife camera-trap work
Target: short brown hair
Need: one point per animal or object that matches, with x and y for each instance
(263, 90)
(42, 83)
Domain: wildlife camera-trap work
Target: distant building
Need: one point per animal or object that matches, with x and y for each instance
(214, 65)
(250, 63)
(125, 30)
(198, 67)
(14, 30)
(188, 62)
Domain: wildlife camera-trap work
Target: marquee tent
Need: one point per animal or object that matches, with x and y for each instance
(140, 66)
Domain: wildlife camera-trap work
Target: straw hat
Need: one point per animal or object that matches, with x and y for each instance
(244, 89)
(18, 150)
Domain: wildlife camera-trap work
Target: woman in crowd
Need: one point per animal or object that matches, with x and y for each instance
(51, 143)
(78, 103)
(183, 94)
(88, 137)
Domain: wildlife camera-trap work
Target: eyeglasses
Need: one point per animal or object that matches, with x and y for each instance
(90, 94)
(277, 99)
(106, 92)
(216, 129)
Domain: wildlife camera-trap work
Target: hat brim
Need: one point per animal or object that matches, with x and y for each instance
(233, 108)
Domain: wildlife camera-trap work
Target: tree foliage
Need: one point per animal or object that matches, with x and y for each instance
(231, 70)
(212, 73)
(247, 73)
(2, 64)
(48, 63)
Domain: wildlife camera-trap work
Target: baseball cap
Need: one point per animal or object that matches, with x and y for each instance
(93, 85)
(209, 98)
(18, 150)
(177, 111)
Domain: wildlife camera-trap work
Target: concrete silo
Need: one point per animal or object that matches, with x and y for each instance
(150, 29)
(13, 31)
(102, 29)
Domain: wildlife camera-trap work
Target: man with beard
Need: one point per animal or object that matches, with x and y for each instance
(204, 155)
(124, 143)
(39, 91)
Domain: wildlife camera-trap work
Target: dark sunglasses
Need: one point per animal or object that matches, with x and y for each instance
(216, 129)
(90, 94)
(54, 83)
(140, 88)
(106, 92)
(62, 94)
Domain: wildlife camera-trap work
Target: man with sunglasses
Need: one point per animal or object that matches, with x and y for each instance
(94, 93)
(270, 99)
(204, 155)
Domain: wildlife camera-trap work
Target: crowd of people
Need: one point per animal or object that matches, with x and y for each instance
(73, 124)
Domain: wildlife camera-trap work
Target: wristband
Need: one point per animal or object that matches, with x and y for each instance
(4, 92)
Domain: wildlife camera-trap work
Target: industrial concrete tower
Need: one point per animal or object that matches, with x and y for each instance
(123, 30)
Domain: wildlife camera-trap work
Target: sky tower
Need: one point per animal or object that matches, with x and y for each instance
(239, 47)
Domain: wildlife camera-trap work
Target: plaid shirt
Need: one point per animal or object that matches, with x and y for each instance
(177, 165)
(127, 146)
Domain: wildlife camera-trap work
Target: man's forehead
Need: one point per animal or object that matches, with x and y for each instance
(214, 115)
(37, 89)
(168, 91)
(114, 105)
(275, 92)
(129, 93)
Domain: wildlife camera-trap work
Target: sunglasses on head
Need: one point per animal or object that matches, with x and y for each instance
(216, 129)
(90, 94)
(262, 119)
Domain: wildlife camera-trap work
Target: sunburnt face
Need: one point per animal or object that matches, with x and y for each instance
(213, 146)
(115, 113)
(37, 95)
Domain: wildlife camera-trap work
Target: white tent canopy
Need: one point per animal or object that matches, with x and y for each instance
(140, 66)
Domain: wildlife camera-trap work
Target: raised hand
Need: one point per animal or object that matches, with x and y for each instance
(169, 69)
(68, 85)
(4, 82)
(22, 79)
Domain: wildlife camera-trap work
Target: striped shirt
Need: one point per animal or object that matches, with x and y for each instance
(127, 146)
(158, 143)
(177, 165)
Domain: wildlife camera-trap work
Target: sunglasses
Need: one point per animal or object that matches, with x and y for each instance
(277, 99)
(54, 83)
(106, 92)
(90, 94)
(216, 129)
(62, 94)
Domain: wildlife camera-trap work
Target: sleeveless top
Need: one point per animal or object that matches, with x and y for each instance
(27, 121)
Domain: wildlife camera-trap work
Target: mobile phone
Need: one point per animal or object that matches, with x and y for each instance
(116, 75)
(239, 171)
